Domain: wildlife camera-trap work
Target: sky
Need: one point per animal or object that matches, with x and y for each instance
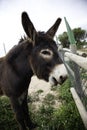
(43, 14)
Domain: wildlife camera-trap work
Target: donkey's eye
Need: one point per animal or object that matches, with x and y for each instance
(46, 54)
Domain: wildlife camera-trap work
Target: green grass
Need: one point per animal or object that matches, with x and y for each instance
(49, 99)
(7, 120)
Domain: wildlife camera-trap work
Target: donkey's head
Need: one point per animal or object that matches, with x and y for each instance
(44, 59)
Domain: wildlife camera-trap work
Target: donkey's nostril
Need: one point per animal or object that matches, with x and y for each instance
(54, 80)
(62, 79)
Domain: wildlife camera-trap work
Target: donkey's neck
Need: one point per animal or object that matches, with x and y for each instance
(18, 59)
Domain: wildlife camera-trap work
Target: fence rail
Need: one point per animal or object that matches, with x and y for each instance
(80, 106)
(81, 61)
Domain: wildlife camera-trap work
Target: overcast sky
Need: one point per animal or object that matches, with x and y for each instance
(42, 13)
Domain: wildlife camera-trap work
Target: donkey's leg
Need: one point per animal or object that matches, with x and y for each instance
(18, 113)
(26, 113)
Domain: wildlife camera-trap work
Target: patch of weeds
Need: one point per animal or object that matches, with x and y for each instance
(68, 118)
(44, 116)
(54, 88)
(40, 91)
(7, 120)
(49, 99)
(34, 97)
(64, 92)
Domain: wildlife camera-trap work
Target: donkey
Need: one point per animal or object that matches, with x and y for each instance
(36, 54)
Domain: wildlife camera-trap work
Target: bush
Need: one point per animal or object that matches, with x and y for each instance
(7, 120)
(67, 116)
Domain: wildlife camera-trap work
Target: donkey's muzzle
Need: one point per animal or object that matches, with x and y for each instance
(58, 75)
(60, 81)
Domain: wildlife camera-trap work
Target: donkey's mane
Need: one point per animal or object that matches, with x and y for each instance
(23, 38)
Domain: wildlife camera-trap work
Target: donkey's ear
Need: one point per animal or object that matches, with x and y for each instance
(51, 32)
(28, 26)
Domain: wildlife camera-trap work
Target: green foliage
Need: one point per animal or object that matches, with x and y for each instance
(80, 37)
(67, 115)
(44, 116)
(40, 91)
(49, 99)
(54, 88)
(79, 34)
(83, 74)
(63, 38)
(7, 121)
(68, 118)
(65, 95)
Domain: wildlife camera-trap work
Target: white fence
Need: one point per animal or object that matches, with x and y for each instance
(81, 61)
(73, 64)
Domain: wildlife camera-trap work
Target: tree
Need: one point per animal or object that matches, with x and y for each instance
(80, 37)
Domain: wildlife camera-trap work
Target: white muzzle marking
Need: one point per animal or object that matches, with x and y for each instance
(58, 75)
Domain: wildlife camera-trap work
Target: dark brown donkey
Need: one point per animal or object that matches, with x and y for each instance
(37, 54)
